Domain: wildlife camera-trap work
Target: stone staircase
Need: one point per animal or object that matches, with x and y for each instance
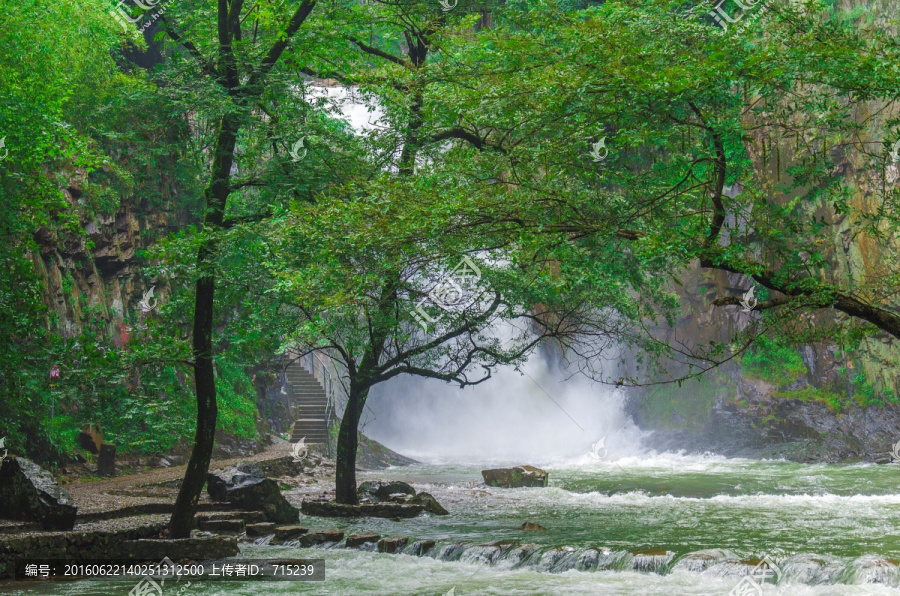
(312, 406)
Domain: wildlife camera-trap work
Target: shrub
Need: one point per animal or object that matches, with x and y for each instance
(773, 362)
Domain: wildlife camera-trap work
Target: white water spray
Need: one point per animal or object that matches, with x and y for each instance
(533, 416)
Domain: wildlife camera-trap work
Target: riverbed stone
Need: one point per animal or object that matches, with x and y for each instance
(314, 538)
(245, 486)
(392, 545)
(332, 509)
(260, 529)
(357, 540)
(517, 477)
(286, 533)
(29, 493)
(429, 503)
(532, 527)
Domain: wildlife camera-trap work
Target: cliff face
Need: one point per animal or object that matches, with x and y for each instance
(97, 275)
(837, 404)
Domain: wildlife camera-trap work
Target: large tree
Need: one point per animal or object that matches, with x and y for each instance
(368, 268)
(234, 66)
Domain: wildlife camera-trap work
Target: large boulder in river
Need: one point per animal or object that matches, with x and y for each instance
(377, 491)
(245, 486)
(29, 493)
(515, 477)
(429, 503)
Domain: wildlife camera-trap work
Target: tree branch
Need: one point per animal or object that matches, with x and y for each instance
(380, 53)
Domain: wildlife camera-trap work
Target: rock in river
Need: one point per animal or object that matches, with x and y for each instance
(245, 486)
(29, 493)
(377, 491)
(515, 477)
(429, 503)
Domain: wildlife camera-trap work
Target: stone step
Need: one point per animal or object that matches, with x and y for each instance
(233, 526)
(310, 439)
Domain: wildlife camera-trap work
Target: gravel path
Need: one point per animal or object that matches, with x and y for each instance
(110, 494)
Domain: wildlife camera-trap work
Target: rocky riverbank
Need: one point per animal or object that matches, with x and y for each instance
(756, 420)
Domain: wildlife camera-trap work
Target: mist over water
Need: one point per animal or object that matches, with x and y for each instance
(510, 418)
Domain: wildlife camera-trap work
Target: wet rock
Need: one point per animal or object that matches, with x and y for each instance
(392, 545)
(429, 503)
(519, 476)
(376, 490)
(286, 533)
(261, 529)
(282, 466)
(29, 493)
(357, 540)
(532, 527)
(420, 547)
(245, 486)
(388, 510)
(314, 538)
(222, 525)
(249, 517)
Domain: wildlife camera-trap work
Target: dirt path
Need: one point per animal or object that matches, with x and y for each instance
(142, 489)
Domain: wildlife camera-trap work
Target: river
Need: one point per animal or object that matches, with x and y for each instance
(655, 524)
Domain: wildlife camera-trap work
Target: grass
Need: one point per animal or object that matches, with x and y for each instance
(829, 398)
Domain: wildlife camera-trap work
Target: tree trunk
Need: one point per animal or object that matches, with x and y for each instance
(204, 375)
(347, 442)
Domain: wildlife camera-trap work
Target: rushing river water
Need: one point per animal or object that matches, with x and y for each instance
(657, 524)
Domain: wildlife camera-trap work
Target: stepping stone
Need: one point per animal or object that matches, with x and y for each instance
(285, 533)
(357, 540)
(421, 547)
(392, 545)
(249, 517)
(235, 526)
(314, 538)
(261, 529)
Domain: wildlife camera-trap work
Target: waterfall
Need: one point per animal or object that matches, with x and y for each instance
(539, 413)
